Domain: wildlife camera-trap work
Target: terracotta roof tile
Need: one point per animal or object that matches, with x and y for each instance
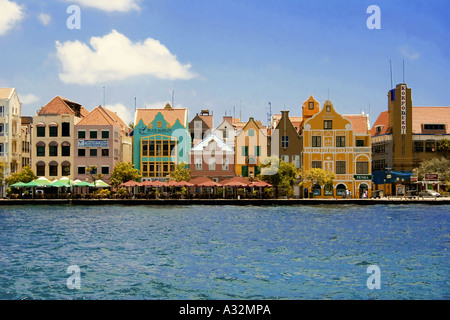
(359, 123)
(59, 106)
(383, 122)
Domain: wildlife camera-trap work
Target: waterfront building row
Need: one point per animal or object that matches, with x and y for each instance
(65, 139)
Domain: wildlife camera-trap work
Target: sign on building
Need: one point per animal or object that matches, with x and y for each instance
(92, 143)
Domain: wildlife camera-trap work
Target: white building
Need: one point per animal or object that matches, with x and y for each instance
(10, 132)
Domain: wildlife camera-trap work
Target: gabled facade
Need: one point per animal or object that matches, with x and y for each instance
(102, 139)
(285, 142)
(161, 141)
(250, 149)
(226, 131)
(201, 126)
(53, 148)
(212, 158)
(340, 145)
(10, 131)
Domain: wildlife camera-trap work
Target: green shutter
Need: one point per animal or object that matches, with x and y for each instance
(245, 171)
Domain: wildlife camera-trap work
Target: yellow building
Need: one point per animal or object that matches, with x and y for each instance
(340, 144)
(250, 149)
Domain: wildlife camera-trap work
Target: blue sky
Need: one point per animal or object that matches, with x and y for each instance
(224, 55)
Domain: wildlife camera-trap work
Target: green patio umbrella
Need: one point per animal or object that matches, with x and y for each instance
(19, 185)
(82, 184)
(57, 183)
(32, 184)
(41, 182)
(100, 184)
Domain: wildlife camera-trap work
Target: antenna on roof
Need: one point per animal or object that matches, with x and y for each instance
(172, 98)
(404, 71)
(390, 64)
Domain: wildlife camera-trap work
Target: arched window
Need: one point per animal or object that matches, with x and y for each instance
(40, 149)
(53, 169)
(53, 149)
(65, 168)
(340, 189)
(316, 190)
(40, 169)
(65, 149)
(53, 129)
(40, 129)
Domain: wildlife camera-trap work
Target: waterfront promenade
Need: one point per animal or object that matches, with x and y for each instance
(230, 202)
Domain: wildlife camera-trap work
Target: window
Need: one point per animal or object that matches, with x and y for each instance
(341, 167)
(2, 149)
(362, 167)
(65, 151)
(93, 134)
(53, 170)
(378, 129)
(418, 146)
(257, 151)
(2, 129)
(316, 141)
(285, 142)
(429, 146)
(65, 129)
(81, 134)
(316, 164)
(328, 108)
(245, 151)
(311, 105)
(198, 163)
(53, 131)
(285, 158)
(93, 170)
(105, 152)
(92, 152)
(225, 164)
(159, 124)
(105, 134)
(81, 170)
(212, 164)
(224, 134)
(40, 170)
(359, 142)
(65, 170)
(81, 152)
(340, 141)
(434, 126)
(251, 132)
(165, 148)
(53, 150)
(105, 170)
(40, 151)
(327, 124)
(40, 131)
(296, 161)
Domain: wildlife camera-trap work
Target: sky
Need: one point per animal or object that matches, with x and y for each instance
(233, 57)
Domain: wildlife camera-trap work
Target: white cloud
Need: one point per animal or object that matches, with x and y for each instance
(28, 98)
(408, 53)
(110, 5)
(115, 57)
(44, 18)
(126, 114)
(11, 15)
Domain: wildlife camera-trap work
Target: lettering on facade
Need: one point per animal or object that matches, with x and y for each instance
(147, 131)
(92, 143)
(403, 109)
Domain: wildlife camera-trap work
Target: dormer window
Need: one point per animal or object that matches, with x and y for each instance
(378, 129)
(311, 105)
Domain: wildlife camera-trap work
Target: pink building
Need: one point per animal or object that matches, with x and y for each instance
(102, 139)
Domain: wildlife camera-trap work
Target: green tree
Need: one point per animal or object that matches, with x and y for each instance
(441, 166)
(317, 176)
(444, 146)
(123, 172)
(95, 175)
(181, 173)
(279, 173)
(25, 175)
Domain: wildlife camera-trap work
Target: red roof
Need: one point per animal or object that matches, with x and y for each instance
(359, 123)
(236, 182)
(130, 183)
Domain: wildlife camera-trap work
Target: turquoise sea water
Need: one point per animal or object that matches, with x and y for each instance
(224, 252)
